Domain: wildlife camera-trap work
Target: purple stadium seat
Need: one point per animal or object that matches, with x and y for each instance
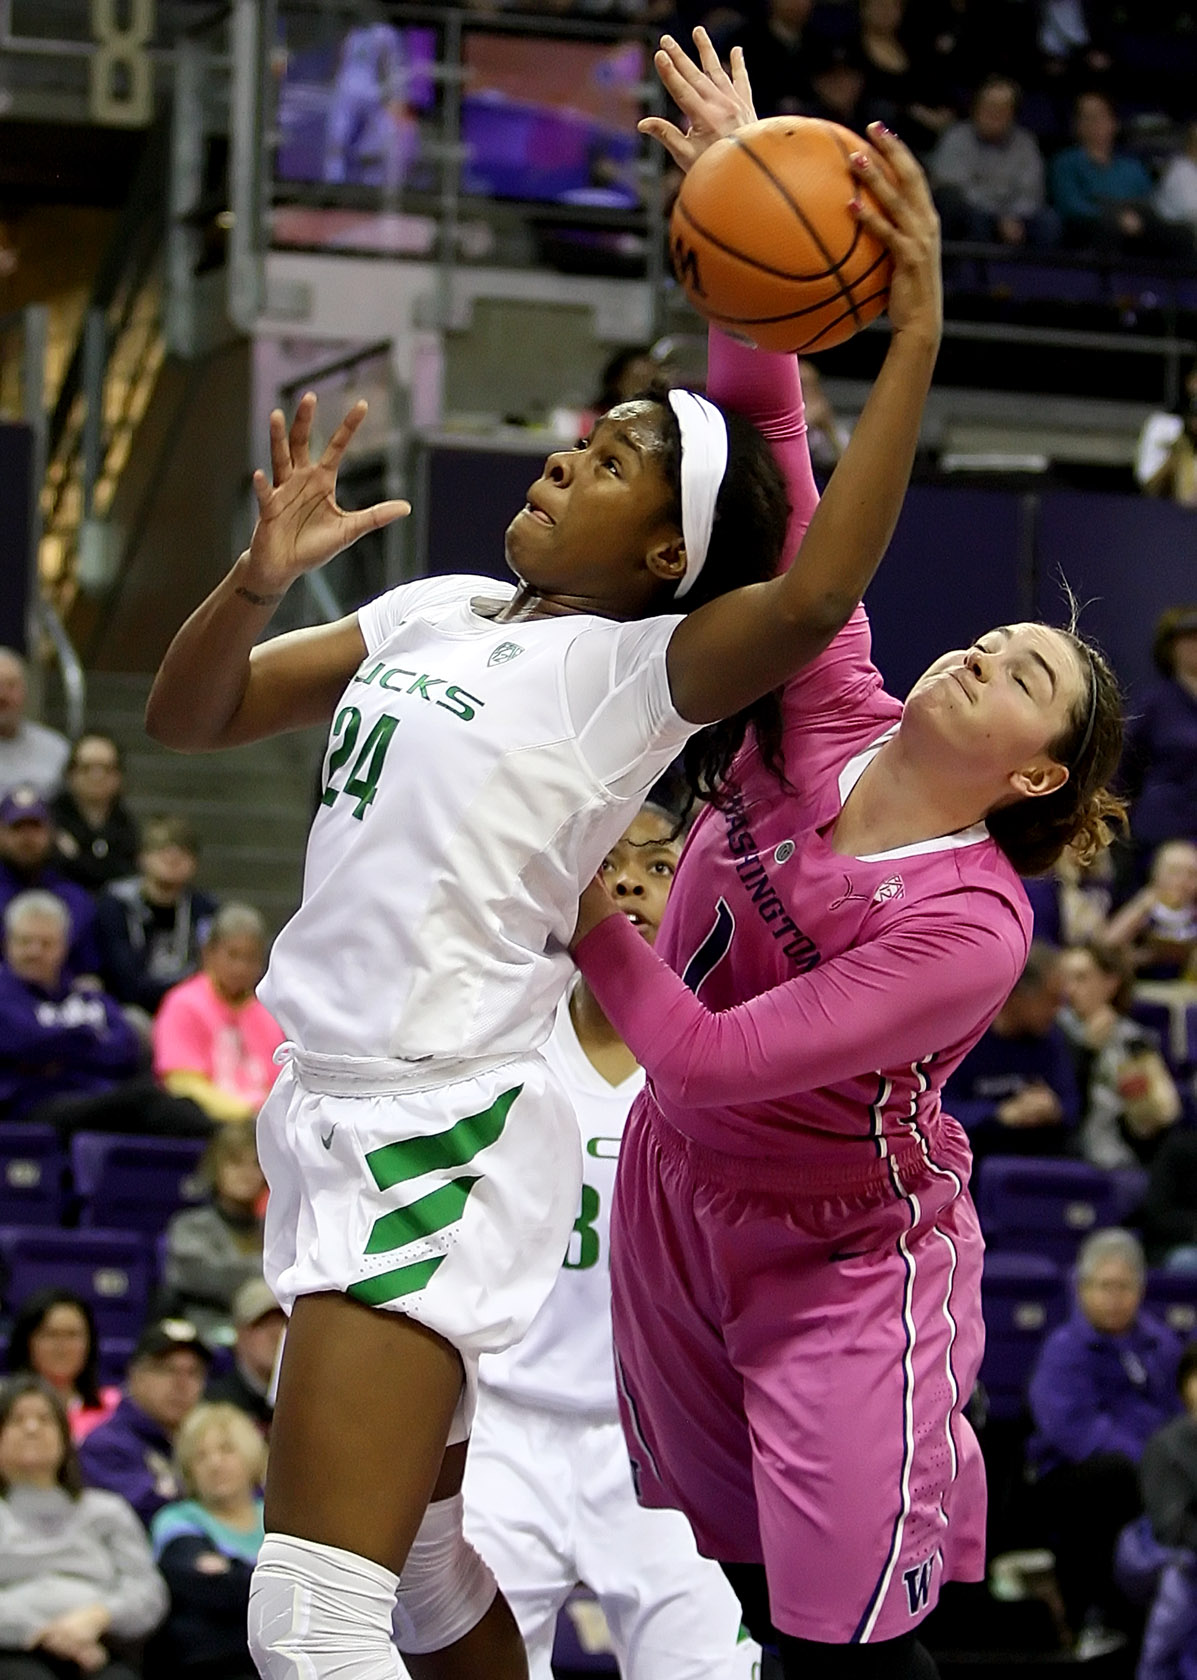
(581, 1645)
(32, 1170)
(1172, 1296)
(1045, 1207)
(133, 1183)
(115, 1353)
(110, 1269)
(1023, 1296)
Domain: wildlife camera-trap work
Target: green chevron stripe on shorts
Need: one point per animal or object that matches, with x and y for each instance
(391, 1286)
(395, 1163)
(420, 1219)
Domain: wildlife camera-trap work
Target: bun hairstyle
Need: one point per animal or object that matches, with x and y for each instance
(1081, 814)
(752, 513)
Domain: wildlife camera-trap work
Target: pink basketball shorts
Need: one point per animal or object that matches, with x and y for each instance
(792, 1366)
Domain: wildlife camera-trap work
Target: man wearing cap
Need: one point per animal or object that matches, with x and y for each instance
(133, 1452)
(260, 1323)
(29, 752)
(26, 847)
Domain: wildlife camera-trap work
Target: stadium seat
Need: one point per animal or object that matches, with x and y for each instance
(110, 1269)
(115, 1353)
(1023, 1296)
(32, 1173)
(1172, 1296)
(1045, 1207)
(133, 1183)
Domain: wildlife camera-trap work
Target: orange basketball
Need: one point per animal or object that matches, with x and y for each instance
(764, 243)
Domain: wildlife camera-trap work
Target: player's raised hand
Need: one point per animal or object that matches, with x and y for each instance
(300, 526)
(713, 102)
(899, 210)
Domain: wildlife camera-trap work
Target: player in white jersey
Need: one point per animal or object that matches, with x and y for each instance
(549, 1499)
(487, 748)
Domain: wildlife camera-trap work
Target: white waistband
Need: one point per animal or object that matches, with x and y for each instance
(381, 1075)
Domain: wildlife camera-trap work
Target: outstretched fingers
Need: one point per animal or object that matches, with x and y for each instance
(374, 518)
(680, 149)
(280, 452)
(709, 59)
(301, 430)
(339, 442)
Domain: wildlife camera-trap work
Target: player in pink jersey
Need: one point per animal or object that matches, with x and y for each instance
(795, 1257)
(486, 746)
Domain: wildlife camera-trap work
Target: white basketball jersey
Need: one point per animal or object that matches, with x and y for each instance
(476, 776)
(565, 1362)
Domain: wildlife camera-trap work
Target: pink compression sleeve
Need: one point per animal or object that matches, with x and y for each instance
(765, 388)
(867, 1008)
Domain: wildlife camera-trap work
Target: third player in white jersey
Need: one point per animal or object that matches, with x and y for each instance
(549, 1494)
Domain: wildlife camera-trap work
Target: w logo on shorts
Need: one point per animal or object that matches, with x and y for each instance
(917, 1582)
(411, 1158)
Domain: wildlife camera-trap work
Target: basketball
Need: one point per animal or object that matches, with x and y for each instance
(764, 243)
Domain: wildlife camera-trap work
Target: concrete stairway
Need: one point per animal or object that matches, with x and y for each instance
(251, 806)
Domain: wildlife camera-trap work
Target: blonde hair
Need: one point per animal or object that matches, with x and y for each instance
(219, 1414)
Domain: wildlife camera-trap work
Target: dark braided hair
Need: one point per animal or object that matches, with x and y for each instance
(752, 512)
(1077, 816)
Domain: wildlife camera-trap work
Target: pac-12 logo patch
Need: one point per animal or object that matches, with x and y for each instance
(504, 652)
(892, 887)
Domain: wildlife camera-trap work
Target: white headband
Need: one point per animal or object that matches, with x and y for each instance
(704, 462)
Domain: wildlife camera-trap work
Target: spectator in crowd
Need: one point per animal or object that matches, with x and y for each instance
(1166, 453)
(58, 1037)
(1015, 1092)
(213, 1041)
(54, 1337)
(152, 924)
(1168, 1216)
(987, 174)
(30, 753)
(900, 90)
(213, 1249)
(1074, 39)
(1168, 1483)
(1104, 194)
(260, 1323)
(1158, 926)
(1104, 1382)
(776, 42)
(1160, 764)
(1176, 195)
(132, 1453)
(27, 865)
(1128, 1096)
(1071, 904)
(837, 79)
(77, 1580)
(826, 437)
(96, 835)
(68, 1056)
(206, 1545)
(963, 41)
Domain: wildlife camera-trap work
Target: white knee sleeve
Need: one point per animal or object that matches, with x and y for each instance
(316, 1611)
(445, 1588)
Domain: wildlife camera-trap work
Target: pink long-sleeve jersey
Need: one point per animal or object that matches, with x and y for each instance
(802, 1005)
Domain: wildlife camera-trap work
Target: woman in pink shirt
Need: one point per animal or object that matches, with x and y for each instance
(795, 1258)
(213, 1041)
